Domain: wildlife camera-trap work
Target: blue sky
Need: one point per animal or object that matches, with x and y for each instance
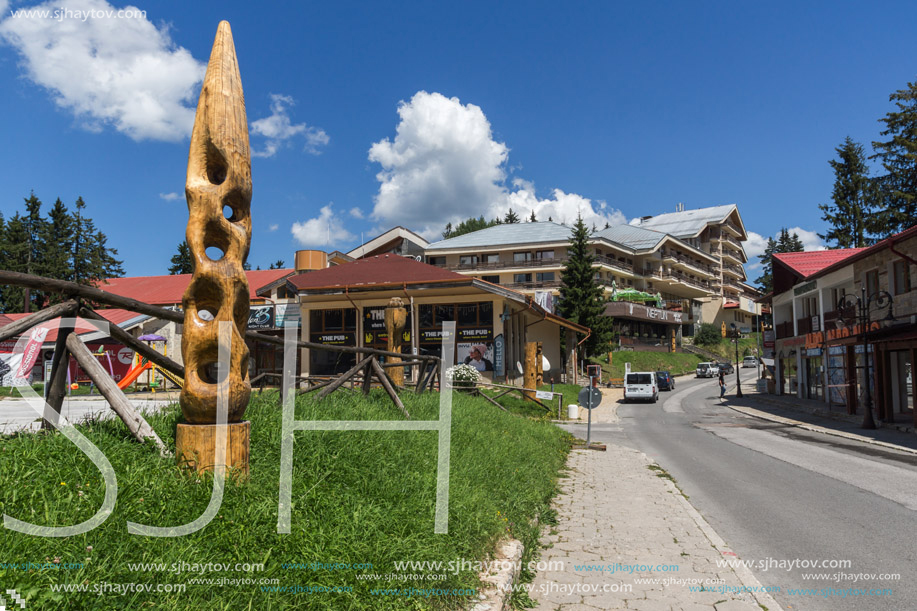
(368, 115)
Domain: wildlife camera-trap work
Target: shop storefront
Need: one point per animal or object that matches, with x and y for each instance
(640, 327)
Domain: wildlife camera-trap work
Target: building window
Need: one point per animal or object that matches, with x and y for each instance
(468, 260)
(544, 277)
(872, 282)
(519, 278)
(441, 261)
(493, 279)
(492, 258)
(548, 255)
(519, 257)
(902, 277)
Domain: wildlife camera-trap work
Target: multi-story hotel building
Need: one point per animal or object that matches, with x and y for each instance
(529, 257)
(719, 232)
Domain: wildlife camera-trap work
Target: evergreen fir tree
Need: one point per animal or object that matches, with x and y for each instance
(851, 211)
(582, 299)
(182, 262)
(511, 217)
(56, 247)
(15, 259)
(278, 264)
(532, 218)
(898, 188)
(785, 242)
(468, 226)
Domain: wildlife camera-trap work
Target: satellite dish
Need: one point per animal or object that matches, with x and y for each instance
(418, 258)
(545, 363)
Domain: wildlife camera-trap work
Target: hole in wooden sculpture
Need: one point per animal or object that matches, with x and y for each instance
(209, 373)
(214, 253)
(216, 165)
(228, 213)
(206, 314)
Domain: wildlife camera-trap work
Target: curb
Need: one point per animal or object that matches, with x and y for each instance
(495, 596)
(748, 579)
(754, 413)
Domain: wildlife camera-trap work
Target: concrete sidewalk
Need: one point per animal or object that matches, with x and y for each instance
(811, 415)
(626, 538)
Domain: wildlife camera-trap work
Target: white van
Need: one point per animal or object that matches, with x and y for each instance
(641, 386)
(749, 361)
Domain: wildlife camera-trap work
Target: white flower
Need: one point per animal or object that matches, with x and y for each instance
(463, 373)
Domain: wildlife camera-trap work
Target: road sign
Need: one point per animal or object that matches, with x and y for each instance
(590, 397)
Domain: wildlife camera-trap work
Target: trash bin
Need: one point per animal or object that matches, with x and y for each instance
(573, 411)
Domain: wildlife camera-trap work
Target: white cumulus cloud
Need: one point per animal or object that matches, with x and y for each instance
(171, 197)
(324, 230)
(810, 239)
(123, 72)
(279, 129)
(273, 227)
(755, 246)
(445, 166)
(357, 213)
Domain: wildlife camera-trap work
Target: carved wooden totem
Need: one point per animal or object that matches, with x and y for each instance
(395, 319)
(219, 193)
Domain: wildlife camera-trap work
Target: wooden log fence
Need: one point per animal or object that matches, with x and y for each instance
(427, 365)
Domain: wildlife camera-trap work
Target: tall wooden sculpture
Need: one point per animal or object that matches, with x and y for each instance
(395, 319)
(219, 192)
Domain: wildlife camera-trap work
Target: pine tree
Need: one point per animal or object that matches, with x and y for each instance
(182, 262)
(582, 299)
(511, 217)
(785, 242)
(468, 226)
(56, 246)
(278, 264)
(15, 259)
(898, 188)
(91, 259)
(851, 212)
(34, 227)
(532, 218)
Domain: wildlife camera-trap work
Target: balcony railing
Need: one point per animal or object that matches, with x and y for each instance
(731, 267)
(784, 329)
(533, 286)
(556, 262)
(807, 324)
(688, 261)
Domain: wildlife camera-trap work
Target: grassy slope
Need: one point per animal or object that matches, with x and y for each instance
(727, 348)
(677, 363)
(357, 497)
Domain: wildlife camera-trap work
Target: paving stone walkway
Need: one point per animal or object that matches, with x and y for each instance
(627, 539)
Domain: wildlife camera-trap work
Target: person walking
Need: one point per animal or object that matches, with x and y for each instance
(722, 380)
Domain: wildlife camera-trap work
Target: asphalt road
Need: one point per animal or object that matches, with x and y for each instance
(781, 497)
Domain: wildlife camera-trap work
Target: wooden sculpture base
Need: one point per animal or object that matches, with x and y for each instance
(195, 447)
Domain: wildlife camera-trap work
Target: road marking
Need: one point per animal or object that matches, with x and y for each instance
(893, 483)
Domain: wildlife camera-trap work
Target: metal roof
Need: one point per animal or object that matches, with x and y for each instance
(637, 238)
(507, 234)
(687, 223)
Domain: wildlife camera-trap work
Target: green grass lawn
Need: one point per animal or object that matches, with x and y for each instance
(726, 349)
(358, 497)
(677, 362)
(516, 404)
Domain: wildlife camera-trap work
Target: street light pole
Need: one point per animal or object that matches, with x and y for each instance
(735, 335)
(861, 307)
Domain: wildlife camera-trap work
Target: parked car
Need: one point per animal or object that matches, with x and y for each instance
(706, 370)
(665, 381)
(726, 367)
(641, 386)
(749, 361)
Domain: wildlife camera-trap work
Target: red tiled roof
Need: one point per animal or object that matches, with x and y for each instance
(378, 270)
(807, 263)
(168, 290)
(114, 316)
